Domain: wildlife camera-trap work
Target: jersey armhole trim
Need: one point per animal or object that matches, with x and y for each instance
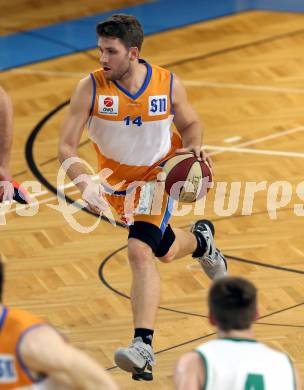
(205, 364)
(26, 370)
(94, 93)
(3, 317)
(171, 94)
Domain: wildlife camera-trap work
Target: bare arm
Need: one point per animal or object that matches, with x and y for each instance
(6, 134)
(189, 372)
(70, 134)
(44, 351)
(73, 126)
(186, 119)
(298, 380)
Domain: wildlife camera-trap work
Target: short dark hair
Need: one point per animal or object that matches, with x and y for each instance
(1, 279)
(125, 27)
(233, 303)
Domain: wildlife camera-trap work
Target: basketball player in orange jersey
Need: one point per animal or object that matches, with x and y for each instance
(34, 356)
(128, 106)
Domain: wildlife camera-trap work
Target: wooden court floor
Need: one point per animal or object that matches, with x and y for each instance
(245, 76)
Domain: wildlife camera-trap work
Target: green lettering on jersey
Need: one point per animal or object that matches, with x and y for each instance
(254, 382)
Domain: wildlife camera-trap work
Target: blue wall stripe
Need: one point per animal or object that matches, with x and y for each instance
(160, 15)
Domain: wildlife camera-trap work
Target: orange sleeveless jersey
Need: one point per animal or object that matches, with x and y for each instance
(13, 325)
(132, 133)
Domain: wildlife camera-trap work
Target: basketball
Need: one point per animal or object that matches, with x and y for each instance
(187, 178)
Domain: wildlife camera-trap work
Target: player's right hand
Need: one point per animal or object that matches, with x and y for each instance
(6, 191)
(93, 197)
(198, 152)
(6, 187)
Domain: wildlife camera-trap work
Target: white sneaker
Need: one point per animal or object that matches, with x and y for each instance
(138, 358)
(213, 261)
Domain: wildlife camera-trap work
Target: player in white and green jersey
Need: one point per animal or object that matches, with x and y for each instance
(234, 361)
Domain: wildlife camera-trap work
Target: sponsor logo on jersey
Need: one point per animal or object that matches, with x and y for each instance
(158, 105)
(7, 369)
(108, 105)
(108, 102)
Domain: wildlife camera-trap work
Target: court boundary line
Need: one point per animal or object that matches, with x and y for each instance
(112, 254)
(276, 153)
(258, 140)
(187, 82)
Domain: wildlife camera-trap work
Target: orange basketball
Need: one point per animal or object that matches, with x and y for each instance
(187, 178)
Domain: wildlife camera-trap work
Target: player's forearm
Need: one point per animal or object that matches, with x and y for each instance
(43, 350)
(80, 381)
(5, 149)
(103, 381)
(83, 373)
(6, 129)
(192, 135)
(74, 169)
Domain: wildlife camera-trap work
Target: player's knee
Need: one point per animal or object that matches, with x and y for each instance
(144, 238)
(169, 256)
(138, 252)
(167, 248)
(141, 259)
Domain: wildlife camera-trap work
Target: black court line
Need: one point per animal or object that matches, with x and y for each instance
(214, 333)
(281, 325)
(282, 310)
(110, 287)
(107, 284)
(278, 267)
(174, 346)
(234, 48)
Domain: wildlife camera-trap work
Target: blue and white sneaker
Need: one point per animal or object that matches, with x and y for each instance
(213, 261)
(138, 358)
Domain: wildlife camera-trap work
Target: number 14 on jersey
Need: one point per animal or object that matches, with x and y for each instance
(137, 121)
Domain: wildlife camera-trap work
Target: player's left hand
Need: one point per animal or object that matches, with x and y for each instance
(93, 197)
(198, 152)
